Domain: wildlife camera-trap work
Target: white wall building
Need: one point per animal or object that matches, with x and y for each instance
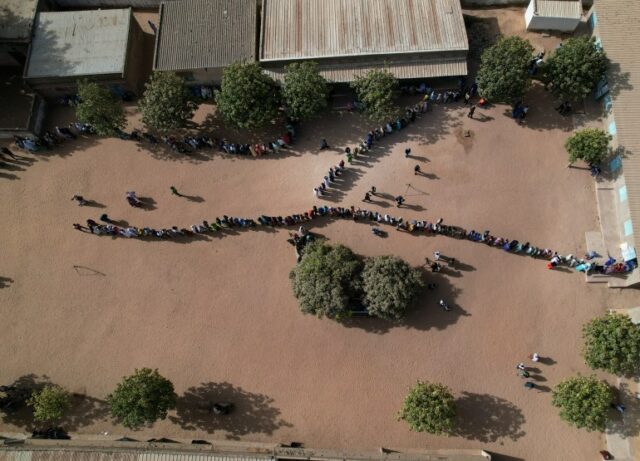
(558, 15)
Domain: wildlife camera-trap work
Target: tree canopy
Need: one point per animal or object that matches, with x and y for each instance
(583, 401)
(503, 75)
(142, 398)
(390, 285)
(50, 403)
(376, 90)
(612, 343)
(304, 90)
(589, 144)
(575, 68)
(326, 280)
(166, 103)
(99, 108)
(429, 407)
(248, 97)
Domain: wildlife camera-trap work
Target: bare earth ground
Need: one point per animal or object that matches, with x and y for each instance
(217, 316)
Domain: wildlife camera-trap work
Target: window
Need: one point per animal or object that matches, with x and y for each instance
(628, 228)
(622, 193)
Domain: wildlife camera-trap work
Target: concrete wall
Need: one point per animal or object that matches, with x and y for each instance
(556, 24)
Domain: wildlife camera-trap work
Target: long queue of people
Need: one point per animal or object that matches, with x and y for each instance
(227, 223)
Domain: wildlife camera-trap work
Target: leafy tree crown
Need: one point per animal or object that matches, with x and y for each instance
(429, 407)
(390, 285)
(248, 97)
(612, 343)
(99, 108)
(50, 403)
(583, 401)
(142, 398)
(166, 103)
(304, 91)
(575, 68)
(376, 90)
(589, 144)
(327, 280)
(503, 75)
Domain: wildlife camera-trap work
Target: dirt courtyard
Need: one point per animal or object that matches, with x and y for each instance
(216, 315)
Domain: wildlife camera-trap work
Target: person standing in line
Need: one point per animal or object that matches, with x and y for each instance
(373, 190)
(436, 255)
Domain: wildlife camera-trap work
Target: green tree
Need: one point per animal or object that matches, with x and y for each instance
(166, 103)
(429, 407)
(390, 285)
(575, 68)
(142, 398)
(248, 97)
(50, 403)
(589, 144)
(99, 108)
(612, 343)
(327, 280)
(304, 91)
(583, 401)
(376, 90)
(503, 75)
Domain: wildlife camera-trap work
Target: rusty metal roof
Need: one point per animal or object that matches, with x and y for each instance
(558, 8)
(198, 34)
(316, 29)
(617, 22)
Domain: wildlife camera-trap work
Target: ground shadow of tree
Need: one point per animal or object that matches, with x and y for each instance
(628, 424)
(488, 418)
(425, 314)
(14, 410)
(13, 404)
(252, 413)
(85, 410)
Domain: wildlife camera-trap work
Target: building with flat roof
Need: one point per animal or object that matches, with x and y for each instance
(559, 15)
(199, 38)
(414, 39)
(104, 46)
(615, 26)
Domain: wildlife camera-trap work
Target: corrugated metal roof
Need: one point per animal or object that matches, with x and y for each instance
(408, 69)
(78, 43)
(303, 29)
(197, 34)
(558, 8)
(619, 33)
(16, 19)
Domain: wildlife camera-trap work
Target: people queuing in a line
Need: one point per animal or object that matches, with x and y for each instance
(413, 226)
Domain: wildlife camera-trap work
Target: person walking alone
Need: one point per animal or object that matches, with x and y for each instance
(471, 111)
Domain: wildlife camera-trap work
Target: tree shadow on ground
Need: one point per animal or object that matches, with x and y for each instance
(488, 418)
(13, 406)
(499, 457)
(14, 410)
(541, 115)
(425, 314)
(628, 424)
(85, 410)
(252, 413)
